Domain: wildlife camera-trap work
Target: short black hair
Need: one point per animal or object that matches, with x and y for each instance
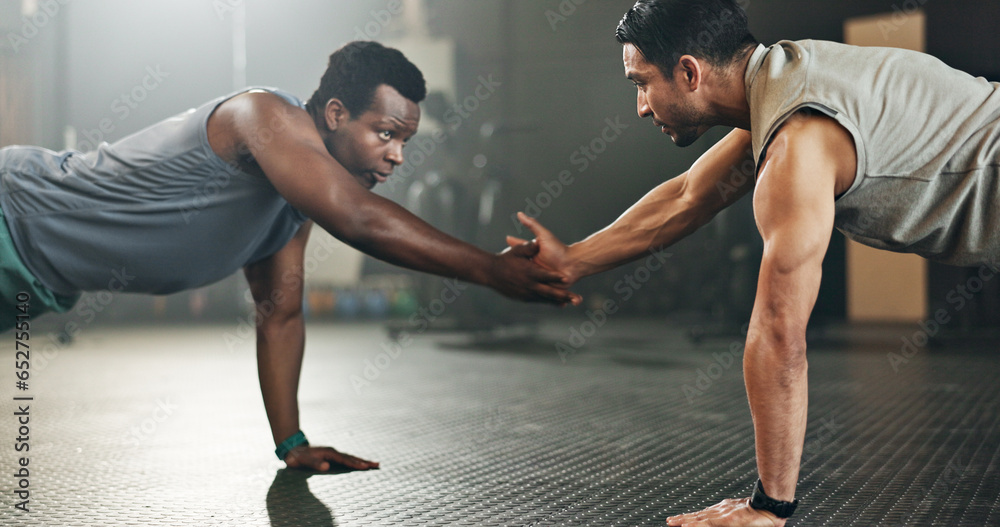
(357, 69)
(665, 30)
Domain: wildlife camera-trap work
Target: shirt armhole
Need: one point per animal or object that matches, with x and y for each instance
(859, 145)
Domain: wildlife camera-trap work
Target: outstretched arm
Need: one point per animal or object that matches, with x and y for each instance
(285, 144)
(276, 284)
(665, 215)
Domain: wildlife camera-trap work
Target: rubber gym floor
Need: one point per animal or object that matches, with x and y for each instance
(155, 426)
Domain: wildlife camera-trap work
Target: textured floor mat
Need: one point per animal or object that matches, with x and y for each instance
(166, 427)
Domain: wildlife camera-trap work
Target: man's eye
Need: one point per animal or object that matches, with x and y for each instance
(385, 134)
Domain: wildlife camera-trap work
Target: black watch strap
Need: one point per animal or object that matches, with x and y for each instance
(762, 502)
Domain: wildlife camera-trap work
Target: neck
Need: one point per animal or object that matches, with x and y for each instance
(319, 122)
(730, 104)
(316, 116)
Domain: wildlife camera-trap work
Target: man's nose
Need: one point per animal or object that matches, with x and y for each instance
(395, 155)
(642, 105)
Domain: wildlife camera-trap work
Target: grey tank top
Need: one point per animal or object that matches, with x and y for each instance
(927, 138)
(156, 212)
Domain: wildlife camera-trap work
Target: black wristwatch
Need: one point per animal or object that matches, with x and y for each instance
(762, 502)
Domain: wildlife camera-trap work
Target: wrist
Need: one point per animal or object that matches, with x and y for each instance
(574, 266)
(484, 273)
(761, 502)
(284, 421)
(290, 443)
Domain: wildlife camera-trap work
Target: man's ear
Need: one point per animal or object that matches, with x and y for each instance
(688, 72)
(335, 114)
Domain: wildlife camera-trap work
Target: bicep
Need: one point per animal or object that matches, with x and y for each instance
(794, 210)
(723, 174)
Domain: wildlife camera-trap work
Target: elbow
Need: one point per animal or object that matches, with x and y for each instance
(357, 236)
(780, 353)
(784, 343)
(274, 325)
(701, 216)
(695, 216)
(357, 227)
(695, 210)
(277, 314)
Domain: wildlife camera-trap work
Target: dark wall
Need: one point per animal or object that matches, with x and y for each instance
(774, 20)
(963, 33)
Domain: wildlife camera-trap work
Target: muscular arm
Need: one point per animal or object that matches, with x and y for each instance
(794, 209)
(285, 144)
(810, 160)
(276, 284)
(670, 211)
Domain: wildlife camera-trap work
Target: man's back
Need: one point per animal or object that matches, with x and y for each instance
(158, 211)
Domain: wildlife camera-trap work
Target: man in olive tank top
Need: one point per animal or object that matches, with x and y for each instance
(238, 183)
(891, 147)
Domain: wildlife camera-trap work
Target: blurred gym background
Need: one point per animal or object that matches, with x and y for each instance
(528, 111)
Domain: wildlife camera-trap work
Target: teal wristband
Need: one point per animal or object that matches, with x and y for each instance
(286, 446)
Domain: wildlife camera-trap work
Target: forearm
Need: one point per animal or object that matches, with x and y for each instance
(658, 220)
(280, 346)
(672, 210)
(389, 232)
(775, 373)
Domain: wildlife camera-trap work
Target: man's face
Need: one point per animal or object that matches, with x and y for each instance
(668, 100)
(370, 146)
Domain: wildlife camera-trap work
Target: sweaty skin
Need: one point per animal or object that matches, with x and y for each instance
(325, 166)
(809, 162)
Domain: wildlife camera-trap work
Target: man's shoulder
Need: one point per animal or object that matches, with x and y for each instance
(786, 58)
(268, 93)
(261, 101)
(263, 111)
(820, 55)
(253, 118)
(807, 124)
(817, 140)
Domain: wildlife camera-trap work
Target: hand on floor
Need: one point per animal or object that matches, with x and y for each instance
(321, 458)
(728, 513)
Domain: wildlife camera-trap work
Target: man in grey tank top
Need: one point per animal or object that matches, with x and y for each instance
(237, 183)
(891, 147)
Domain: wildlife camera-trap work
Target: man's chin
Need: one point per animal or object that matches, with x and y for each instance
(366, 182)
(686, 139)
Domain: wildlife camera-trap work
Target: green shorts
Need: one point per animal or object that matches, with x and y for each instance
(20, 292)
